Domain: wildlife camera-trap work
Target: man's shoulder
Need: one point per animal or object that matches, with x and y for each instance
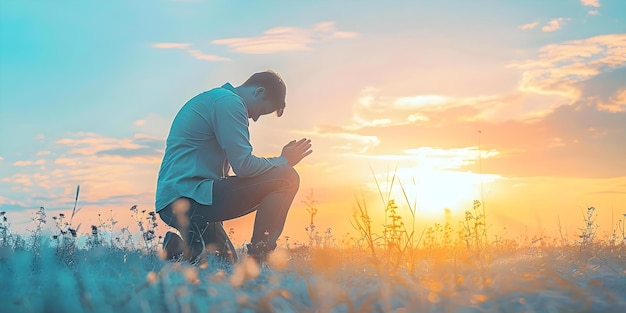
(220, 94)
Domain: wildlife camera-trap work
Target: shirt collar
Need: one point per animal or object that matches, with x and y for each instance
(230, 87)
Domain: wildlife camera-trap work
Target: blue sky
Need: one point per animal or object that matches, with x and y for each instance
(87, 92)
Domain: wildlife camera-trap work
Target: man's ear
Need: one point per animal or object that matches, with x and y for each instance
(259, 91)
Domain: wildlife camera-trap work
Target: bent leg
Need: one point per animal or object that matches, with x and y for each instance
(270, 194)
(179, 215)
(198, 234)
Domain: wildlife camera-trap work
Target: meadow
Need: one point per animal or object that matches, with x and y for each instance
(454, 266)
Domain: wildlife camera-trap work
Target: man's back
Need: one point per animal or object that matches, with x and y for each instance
(209, 132)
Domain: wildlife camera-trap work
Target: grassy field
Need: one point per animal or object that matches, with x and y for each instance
(449, 267)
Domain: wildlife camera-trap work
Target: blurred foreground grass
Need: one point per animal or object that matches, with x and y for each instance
(444, 268)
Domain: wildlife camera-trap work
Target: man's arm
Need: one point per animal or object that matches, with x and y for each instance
(230, 124)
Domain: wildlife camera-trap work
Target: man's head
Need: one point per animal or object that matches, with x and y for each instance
(263, 93)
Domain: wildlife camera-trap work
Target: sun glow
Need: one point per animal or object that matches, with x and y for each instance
(429, 191)
(437, 182)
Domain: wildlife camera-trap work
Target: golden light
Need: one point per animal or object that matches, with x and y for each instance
(434, 181)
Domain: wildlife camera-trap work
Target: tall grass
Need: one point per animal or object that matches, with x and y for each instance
(446, 267)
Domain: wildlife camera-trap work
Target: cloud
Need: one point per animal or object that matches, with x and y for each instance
(574, 140)
(528, 26)
(439, 158)
(1, 158)
(560, 67)
(195, 53)
(22, 163)
(374, 110)
(90, 144)
(554, 24)
(171, 45)
(345, 142)
(281, 39)
(43, 152)
(125, 152)
(206, 57)
(103, 166)
(593, 12)
(591, 3)
(617, 103)
(152, 124)
(563, 119)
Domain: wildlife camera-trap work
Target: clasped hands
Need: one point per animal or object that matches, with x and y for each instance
(295, 151)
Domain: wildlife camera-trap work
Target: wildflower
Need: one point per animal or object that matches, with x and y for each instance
(149, 235)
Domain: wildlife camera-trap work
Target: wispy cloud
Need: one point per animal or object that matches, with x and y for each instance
(439, 158)
(343, 141)
(569, 97)
(616, 103)
(280, 39)
(554, 24)
(528, 26)
(593, 12)
(28, 162)
(206, 57)
(560, 68)
(195, 53)
(524, 147)
(375, 110)
(22, 163)
(171, 45)
(103, 166)
(591, 3)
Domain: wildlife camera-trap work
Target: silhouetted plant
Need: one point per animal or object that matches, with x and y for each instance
(5, 231)
(148, 226)
(66, 235)
(588, 232)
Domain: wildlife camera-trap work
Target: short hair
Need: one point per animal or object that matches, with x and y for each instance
(275, 89)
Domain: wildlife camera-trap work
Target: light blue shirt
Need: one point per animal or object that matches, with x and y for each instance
(209, 135)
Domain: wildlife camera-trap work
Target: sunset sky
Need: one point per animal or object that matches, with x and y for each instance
(520, 104)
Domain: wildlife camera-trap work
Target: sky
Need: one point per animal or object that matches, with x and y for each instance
(518, 104)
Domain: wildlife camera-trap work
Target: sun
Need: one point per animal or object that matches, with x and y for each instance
(429, 191)
(436, 179)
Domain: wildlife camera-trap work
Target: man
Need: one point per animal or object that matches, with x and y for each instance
(209, 136)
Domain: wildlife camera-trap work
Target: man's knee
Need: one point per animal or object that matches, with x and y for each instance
(179, 213)
(290, 174)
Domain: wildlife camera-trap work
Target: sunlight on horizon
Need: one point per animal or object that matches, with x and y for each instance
(434, 180)
(430, 191)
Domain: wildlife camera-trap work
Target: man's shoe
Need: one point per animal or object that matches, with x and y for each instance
(258, 251)
(173, 245)
(213, 240)
(216, 238)
(175, 248)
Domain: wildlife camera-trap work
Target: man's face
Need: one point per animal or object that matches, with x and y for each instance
(259, 108)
